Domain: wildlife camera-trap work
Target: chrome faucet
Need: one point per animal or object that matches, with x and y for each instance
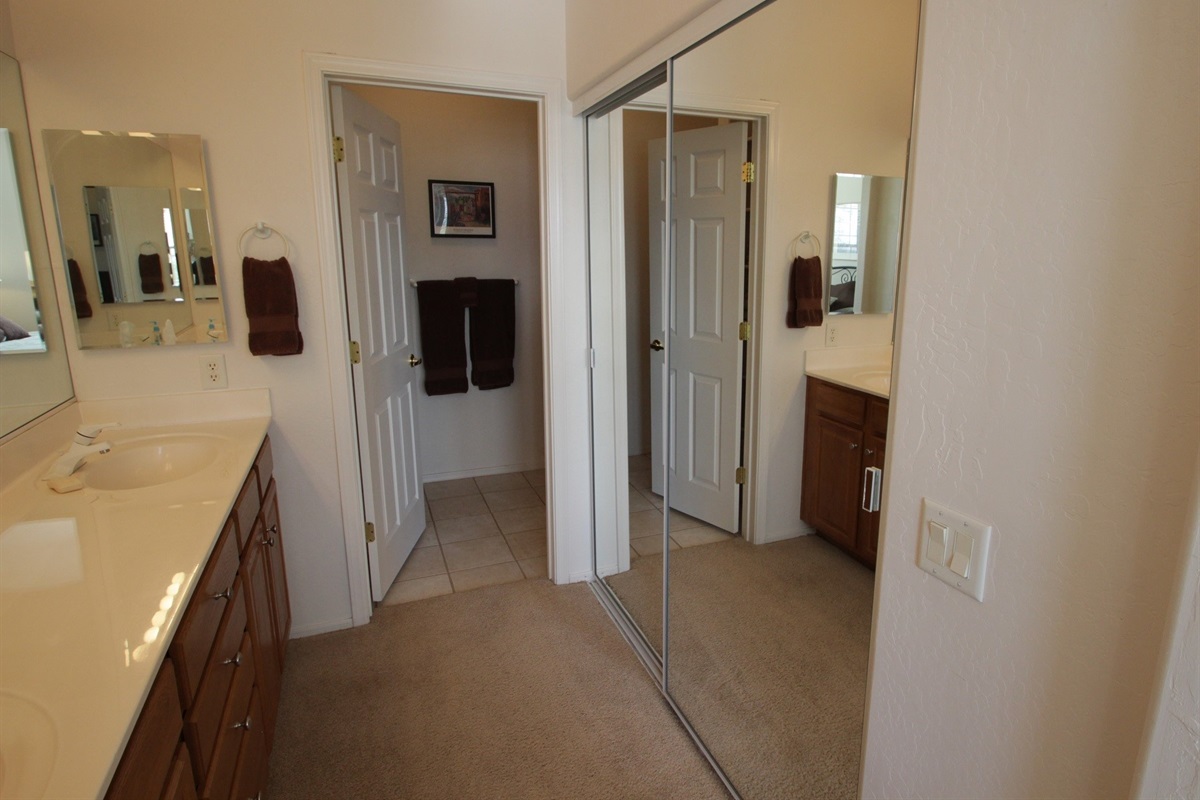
(83, 445)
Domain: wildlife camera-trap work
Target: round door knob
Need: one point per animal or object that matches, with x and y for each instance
(656, 345)
(413, 361)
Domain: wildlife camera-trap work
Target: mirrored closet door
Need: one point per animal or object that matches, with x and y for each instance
(758, 629)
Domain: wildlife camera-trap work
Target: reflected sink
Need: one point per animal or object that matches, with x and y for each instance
(28, 747)
(150, 461)
(876, 380)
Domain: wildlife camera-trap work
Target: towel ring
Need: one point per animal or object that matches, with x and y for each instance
(142, 248)
(808, 238)
(262, 231)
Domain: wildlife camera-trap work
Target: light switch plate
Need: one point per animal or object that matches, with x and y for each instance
(960, 525)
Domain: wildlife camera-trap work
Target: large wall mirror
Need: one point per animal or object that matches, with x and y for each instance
(759, 635)
(34, 374)
(134, 218)
(864, 253)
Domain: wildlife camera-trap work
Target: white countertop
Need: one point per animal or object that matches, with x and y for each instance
(83, 579)
(867, 369)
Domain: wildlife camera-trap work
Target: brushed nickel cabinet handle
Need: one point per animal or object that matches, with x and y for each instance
(224, 595)
(244, 724)
(236, 660)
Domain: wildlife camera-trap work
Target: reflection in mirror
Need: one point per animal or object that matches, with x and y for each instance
(34, 375)
(865, 253)
(134, 218)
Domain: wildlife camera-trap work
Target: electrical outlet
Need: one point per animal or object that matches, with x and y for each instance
(212, 371)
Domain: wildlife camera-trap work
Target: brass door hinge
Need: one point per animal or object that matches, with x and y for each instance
(739, 476)
(370, 531)
(744, 331)
(748, 172)
(339, 149)
(355, 353)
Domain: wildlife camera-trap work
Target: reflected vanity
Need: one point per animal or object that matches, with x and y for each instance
(135, 223)
(758, 637)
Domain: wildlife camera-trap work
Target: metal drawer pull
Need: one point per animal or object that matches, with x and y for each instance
(225, 595)
(274, 528)
(271, 541)
(236, 660)
(245, 724)
(853, 446)
(870, 452)
(871, 489)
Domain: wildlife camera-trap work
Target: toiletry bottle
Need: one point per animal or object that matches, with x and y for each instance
(155, 333)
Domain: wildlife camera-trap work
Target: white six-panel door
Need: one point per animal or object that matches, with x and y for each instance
(704, 382)
(381, 319)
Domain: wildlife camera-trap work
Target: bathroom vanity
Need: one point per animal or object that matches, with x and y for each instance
(845, 436)
(145, 615)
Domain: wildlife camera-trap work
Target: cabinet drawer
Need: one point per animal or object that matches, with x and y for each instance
(204, 718)
(265, 466)
(837, 403)
(181, 783)
(193, 641)
(877, 415)
(245, 511)
(150, 752)
(250, 777)
(234, 720)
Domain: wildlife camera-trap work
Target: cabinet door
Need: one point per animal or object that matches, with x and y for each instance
(257, 579)
(868, 521)
(837, 458)
(279, 587)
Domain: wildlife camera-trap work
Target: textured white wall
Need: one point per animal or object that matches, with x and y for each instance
(233, 73)
(1048, 382)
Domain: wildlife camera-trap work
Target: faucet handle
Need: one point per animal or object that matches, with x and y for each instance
(86, 433)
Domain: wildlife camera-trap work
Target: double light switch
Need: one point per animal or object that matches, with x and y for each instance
(954, 548)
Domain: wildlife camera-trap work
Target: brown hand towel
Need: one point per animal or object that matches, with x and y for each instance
(83, 309)
(494, 334)
(274, 315)
(208, 271)
(150, 271)
(440, 309)
(805, 288)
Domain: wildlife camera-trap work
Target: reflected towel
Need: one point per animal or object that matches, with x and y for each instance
(208, 271)
(150, 271)
(439, 306)
(805, 287)
(494, 334)
(83, 309)
(271, 307)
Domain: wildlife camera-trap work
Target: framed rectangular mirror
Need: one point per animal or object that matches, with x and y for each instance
(34, 374)
(135, 224)
(864, 255)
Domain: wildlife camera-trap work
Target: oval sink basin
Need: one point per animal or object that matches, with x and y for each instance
(150, 461)
(28, 747)
(877, 380)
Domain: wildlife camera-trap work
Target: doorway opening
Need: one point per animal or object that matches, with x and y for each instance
(446, 330)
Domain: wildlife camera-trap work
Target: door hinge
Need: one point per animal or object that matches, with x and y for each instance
(355, 353)
(339, 149)
(748, 172)
(744, 331)
(370, 531)
(739, 476)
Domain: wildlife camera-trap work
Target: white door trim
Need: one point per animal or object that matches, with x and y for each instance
(766, 147)
(319, 70)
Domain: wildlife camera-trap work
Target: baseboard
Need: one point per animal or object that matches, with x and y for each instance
(791, 533)
(480, 472)
(579, 577)
(315, 629)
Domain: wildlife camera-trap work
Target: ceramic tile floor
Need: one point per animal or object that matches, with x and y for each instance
(479, 532)
(491, 530)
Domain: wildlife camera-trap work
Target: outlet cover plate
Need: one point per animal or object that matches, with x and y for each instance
(978, 537)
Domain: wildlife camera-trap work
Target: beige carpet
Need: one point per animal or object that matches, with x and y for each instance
(768, 658)
(524, 690)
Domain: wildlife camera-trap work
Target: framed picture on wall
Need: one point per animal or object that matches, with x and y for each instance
(462, 209)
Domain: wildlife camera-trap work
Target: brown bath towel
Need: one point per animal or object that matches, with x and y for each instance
(271, 307)
(83, 309)
(439, 306)
(150, 271)
(805, 288)
(468, 291)
(208, 271)
(494, 334)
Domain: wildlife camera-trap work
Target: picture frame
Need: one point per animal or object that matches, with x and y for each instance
(462, 209)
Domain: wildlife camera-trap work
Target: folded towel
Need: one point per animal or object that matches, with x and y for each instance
(494, 334)
(270, 294)
(208, 271)
(805, 287)
(150, 271)
(83, 309)
(440, 309)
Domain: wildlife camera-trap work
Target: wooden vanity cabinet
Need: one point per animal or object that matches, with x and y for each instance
(210, 715)
(844, 433)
